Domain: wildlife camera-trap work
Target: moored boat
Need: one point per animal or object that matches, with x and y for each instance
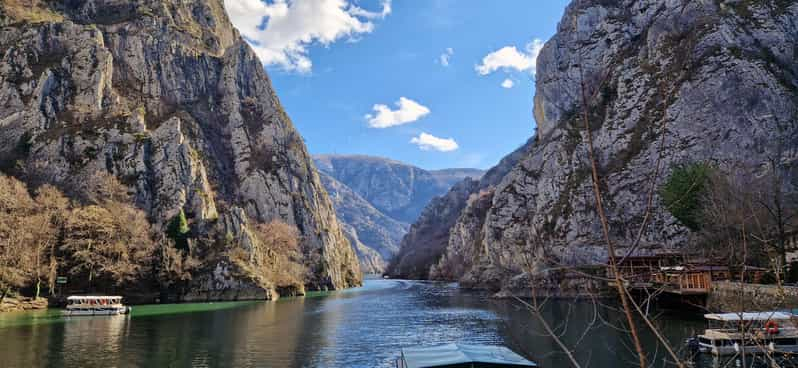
(459, 355)
(748, 333)
(95, 306)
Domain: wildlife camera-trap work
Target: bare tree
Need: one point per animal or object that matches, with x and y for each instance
(45, 227)
(15, 257)
(112, 244)
(275, 259)
(619, 282)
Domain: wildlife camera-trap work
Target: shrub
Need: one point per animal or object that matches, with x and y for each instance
(275, 259)
(178, 229)
(683, 191)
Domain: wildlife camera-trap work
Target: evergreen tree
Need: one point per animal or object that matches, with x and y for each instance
(178, 230)
(683, 191)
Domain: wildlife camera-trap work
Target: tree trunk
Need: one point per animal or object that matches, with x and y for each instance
(782, 245)
(4, 294)
(91, 278)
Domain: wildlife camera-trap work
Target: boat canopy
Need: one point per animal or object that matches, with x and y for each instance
(457, 355)
(749, 316)
(93, 297)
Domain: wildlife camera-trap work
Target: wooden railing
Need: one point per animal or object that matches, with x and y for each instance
(685, 280)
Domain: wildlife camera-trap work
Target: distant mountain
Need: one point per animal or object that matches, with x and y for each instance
(363, 224)
(397, 189)
(376, 198)
(453, 176)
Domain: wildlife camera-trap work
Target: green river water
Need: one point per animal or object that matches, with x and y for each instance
(363, 327)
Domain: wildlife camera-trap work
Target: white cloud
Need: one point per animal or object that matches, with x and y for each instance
(446, 56)
(509, 57)
(407, 111)
(508, 83)
(281, 31)
(427, 142)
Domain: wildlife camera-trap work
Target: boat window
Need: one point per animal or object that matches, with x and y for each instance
(787, 341)
(704, 341)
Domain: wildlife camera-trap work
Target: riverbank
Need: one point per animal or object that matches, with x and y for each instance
(727, 296)
(20, 304)
(724, 296)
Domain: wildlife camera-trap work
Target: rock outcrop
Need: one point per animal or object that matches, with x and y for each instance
(667, 81)
(374, 197)
(167, 97)
(9, 304)
(428, 237)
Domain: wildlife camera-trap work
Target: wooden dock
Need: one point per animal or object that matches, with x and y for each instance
(666, 277)
(673, 276)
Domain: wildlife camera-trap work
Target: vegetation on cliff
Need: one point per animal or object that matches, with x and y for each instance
(167, 99)
(105, 244)
(102, 244)
(665, 84)
(683, 191)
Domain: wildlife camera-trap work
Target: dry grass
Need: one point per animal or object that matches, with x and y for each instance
(30, 11)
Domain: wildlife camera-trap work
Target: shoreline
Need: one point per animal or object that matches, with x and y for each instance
(15, 304)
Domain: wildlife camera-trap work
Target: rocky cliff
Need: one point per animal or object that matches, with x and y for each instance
(376, 198)
(684, 81)
(168, 98)
(428, 237)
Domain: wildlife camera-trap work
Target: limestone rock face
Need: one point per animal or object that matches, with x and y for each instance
(167, 97)
(683, 81)
(429, 236)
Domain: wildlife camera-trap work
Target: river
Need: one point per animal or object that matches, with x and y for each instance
(363, 327)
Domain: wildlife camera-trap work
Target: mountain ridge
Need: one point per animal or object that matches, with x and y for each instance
(353, 181)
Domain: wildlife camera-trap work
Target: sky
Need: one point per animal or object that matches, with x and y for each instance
(434, 83)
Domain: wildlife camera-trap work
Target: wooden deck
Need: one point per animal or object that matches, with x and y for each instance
(665, 274)
(684, 282)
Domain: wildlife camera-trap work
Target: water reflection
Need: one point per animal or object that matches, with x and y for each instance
(365, 327)
(95, 340)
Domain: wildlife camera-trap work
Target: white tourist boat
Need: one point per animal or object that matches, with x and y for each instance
(749, 333)
(95, 306)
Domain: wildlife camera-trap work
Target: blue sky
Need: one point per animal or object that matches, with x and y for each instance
(332, 61)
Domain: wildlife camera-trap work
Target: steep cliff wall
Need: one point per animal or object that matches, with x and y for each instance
(682, 80)
(428, 237)
(167, 97)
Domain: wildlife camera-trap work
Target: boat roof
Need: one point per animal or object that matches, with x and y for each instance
(93, 297)
(749, 316)
(453, 354)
